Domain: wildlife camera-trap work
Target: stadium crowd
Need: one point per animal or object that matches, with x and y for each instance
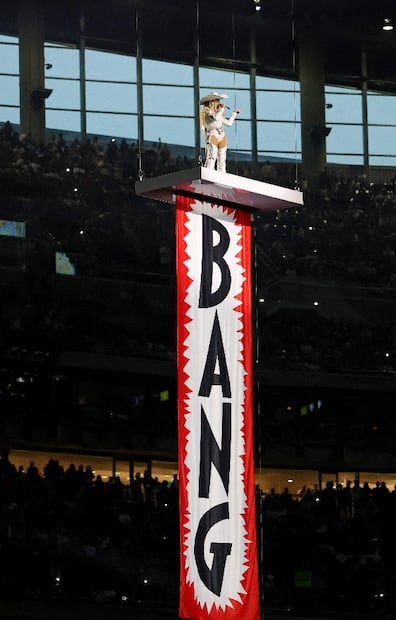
(78, 536)
(79, 199)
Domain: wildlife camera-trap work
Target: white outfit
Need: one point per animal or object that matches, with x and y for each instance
(214, 122)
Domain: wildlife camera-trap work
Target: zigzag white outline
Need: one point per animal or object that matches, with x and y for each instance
(200, 321)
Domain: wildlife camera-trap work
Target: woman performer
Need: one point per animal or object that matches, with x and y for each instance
(212, 120)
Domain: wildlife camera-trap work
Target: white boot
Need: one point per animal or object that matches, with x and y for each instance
(211, 155)
(221, 159)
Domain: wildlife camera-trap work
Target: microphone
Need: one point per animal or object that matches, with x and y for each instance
(227, 107)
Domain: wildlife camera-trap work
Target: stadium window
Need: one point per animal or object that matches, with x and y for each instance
(168, 102)
(62, 77)
(381, 128)
(111, 94)
(170, 130)
(345, 144)
(112, 125)
(343, 113)
(278, 118)
(382, 140)
(9, 80)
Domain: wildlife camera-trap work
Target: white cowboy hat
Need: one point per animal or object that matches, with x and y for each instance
(211, 97)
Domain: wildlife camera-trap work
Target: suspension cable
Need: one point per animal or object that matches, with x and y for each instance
(196, 80)
(140, 95)
(234, 86)
(293, 40)
(259, 428)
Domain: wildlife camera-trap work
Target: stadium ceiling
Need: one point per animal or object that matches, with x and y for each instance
(348, 30)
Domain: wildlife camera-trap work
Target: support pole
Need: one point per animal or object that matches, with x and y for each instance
(31, 68)
(312, 84)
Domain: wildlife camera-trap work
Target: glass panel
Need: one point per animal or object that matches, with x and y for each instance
(329, 477)
(117, 125)
(279, 479)
(101, 465)
(9, 85)
(239, 99)
(373, 478)
(385, 160)
(164, 470)
(381, 108)
(168, 100)
(341, 90)
(10, 114)
(107, 66)
(278, 106)
(279, 156)
(6, 39)
(169, 130)
(239, 136)
(64, 61)
(345, 476)
(278, 136)
(9, 56)
(346, 108)
(62, 77)
(382, 140)
(109, 97)
(139, 467)
(122, 470)
(345, 139)
(9, 90)
(65, 94)
(355, 160)
(59, 119)
(217, 79)
(159, 72)
(268, 83)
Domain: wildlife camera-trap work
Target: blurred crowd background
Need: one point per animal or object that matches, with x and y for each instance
(95, 274)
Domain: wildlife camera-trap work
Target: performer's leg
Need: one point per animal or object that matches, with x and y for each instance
(222, 155)
(221, 159)
(211, 155)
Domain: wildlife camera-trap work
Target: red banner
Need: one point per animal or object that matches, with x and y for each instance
(218, 566)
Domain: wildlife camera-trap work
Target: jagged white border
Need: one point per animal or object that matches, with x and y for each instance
(196, 343)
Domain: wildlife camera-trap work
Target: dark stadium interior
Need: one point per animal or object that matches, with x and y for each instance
(88, 395)
(345, 27)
